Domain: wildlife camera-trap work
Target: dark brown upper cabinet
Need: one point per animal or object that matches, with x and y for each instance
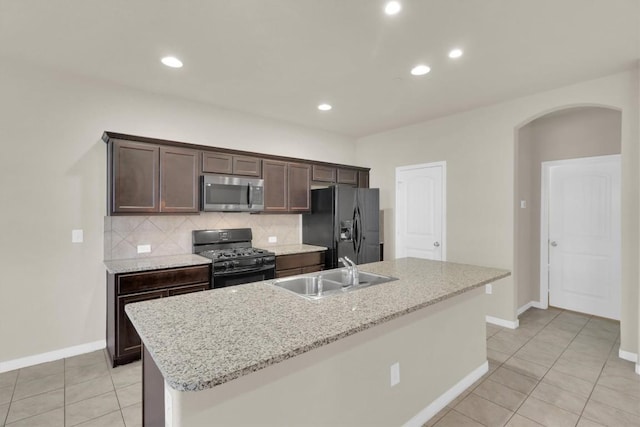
(178, 180)
(286, 186)
(148, 175)
(363, 179)
(347, 176)
(228, 164)
(147, 178)
(136, 168)
(323, 173)
(299, 187)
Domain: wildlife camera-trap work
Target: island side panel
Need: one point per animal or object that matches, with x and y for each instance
(348, 382)
(152, 392)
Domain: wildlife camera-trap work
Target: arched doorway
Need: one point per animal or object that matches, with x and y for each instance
(568, 133)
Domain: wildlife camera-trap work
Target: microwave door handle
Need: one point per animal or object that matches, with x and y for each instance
(249, 195)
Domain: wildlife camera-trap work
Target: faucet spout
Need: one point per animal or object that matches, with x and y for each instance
(355, 281)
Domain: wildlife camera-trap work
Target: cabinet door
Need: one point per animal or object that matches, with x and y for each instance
(348, 176)
(128, 341)
(363, 179)
(299, 187)
(135, 177)
(178, 180)
(188, 289)
(213, 162)
(275, 186)
(323, 173)
(247, 166)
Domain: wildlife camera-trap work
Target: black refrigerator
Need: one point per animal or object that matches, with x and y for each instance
(346, 221)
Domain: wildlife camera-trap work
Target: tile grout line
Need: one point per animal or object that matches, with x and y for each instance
(596, 383)
(538, 381)
(114, 390)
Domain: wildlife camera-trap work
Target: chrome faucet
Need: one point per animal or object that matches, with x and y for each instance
(352, 272)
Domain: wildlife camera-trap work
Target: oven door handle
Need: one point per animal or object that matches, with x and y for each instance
(243, 271)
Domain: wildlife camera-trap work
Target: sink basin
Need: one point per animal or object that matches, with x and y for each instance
(364, 279)
(307, 286)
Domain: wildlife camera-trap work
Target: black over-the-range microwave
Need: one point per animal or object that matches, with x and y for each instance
(231, 193)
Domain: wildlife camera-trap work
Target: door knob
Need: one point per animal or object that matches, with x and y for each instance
(436, 244)
(554, 243)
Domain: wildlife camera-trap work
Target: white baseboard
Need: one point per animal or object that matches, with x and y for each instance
(638, 368)
(36, 359)
(627, 355)
(449, 396)
(504, 323)
(530, 304)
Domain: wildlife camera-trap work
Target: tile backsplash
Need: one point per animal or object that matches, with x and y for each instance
(171, 235)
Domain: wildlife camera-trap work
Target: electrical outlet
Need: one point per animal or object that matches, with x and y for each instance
(273, 239)
(144, 249)
(395, 374)
(488, 288)
(523, 204)
(77, 236)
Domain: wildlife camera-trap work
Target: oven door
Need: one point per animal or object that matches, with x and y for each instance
(230, 278)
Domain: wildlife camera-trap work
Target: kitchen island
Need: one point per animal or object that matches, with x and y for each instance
(256, 354)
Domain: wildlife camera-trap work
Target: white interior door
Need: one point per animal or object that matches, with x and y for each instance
(584, 235)
(420, 211)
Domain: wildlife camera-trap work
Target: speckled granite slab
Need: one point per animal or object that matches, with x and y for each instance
(202, 340)
(154, 263)
(293, 249)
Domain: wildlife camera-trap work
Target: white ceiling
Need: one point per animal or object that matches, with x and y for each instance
(280, 58)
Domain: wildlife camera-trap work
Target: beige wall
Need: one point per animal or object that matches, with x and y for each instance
(53, 175)
(479, 148)
(565, 134)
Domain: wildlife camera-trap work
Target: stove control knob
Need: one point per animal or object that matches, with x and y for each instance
(226, 264)
(236, 263)
(258, 260)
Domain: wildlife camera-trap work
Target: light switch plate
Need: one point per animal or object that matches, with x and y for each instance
(488, 288)
(273, 239)
(144, 249)
(395, 374)
(523, 204)
(77, 236)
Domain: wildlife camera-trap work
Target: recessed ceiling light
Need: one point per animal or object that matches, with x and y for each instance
(420, 70)
(172, 61)
(324, 107)
(392, 7)
(455, 53)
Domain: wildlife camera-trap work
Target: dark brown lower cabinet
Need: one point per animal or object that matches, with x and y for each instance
(123, 342)
(293, 264)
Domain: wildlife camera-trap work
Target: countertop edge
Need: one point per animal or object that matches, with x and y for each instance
(203, 385)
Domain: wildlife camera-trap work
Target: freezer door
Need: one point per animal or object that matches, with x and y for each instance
(368, 214)
(345, 202)
(318, 225)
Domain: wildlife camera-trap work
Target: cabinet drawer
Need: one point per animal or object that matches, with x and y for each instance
(286, 262)
(137, 282)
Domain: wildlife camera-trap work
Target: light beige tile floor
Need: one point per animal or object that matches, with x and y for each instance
(78, 391)
(559, 368)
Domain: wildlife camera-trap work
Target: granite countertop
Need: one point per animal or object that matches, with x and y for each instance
(202, 340)
(293, 249)
(154, 263)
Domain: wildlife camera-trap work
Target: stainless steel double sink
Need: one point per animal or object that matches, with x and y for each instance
(333, 282)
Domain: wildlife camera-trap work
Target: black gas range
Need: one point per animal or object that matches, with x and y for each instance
(235, 261)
